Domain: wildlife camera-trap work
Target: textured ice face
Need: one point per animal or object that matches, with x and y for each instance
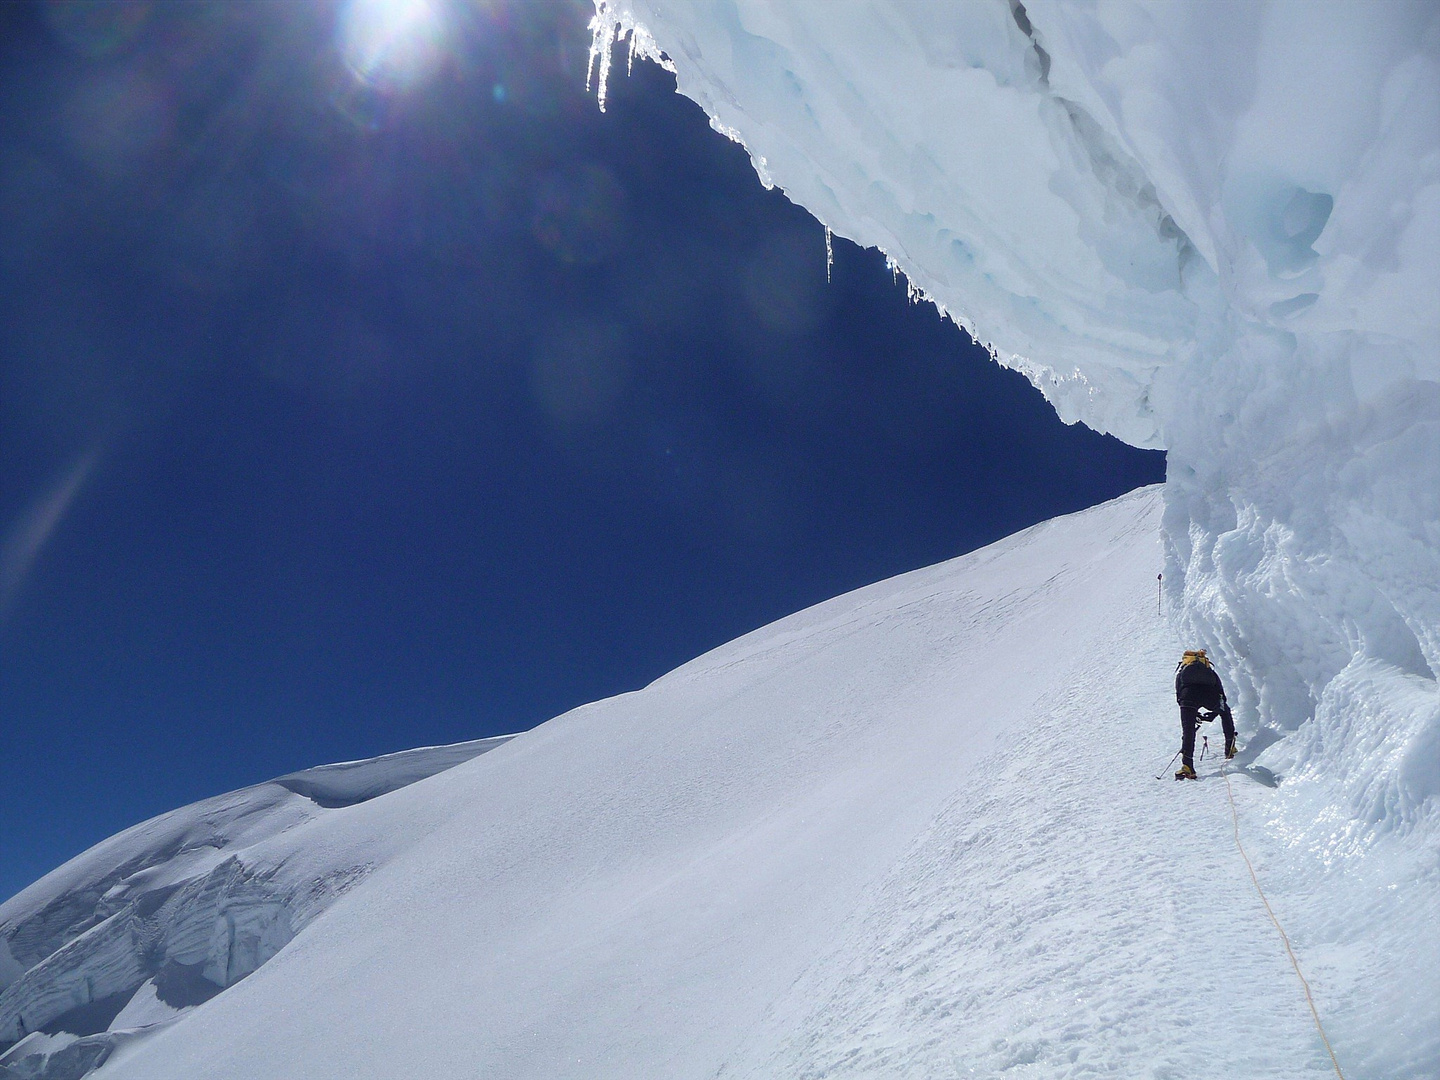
(165, 915)
(1209, 227)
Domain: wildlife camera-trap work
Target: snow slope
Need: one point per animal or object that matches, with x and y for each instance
(160, 917)
(912, 831)
(1212, 227)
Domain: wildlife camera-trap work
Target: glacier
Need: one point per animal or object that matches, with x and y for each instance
(912, 831)
(1209, 228)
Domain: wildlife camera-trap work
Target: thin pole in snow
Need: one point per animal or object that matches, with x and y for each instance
(1167, 767)
(1158, 579)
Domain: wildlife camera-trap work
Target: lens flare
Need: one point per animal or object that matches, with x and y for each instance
(115, 120)
(579, 214)
(96, 28)
(393, 45)
(35, 527)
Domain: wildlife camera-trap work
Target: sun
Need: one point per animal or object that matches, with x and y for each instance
(393, 44)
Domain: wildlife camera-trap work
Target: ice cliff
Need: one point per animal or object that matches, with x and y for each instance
(174, 910)
(1213, 228)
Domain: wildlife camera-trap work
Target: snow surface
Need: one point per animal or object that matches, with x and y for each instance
(913, 831)
(164, 915)
(1208, 227)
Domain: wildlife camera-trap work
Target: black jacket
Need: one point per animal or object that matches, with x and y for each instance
(1197, 684)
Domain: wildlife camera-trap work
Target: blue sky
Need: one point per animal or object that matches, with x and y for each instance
(359, 396)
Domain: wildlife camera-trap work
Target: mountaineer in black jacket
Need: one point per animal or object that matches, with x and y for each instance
(1197, 687)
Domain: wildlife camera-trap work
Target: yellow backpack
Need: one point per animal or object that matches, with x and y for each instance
(1193, 656)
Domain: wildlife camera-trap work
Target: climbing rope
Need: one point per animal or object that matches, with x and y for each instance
(1235, 816)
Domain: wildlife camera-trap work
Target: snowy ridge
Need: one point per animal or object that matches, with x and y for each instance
(1209, 227)
(165, 915)
(910, 831)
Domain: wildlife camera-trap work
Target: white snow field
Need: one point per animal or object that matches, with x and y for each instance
(1207, 226)
(911, 832)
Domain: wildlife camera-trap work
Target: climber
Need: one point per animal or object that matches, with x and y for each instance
(1198, 687)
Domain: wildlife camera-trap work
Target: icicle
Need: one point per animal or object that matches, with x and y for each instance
(829, 255)
(912, 293)
(605, 30)
(607, 27)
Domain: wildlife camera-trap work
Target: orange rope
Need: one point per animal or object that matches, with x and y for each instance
(1235, 815)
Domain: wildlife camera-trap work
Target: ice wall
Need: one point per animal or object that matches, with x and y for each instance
(1213, 228)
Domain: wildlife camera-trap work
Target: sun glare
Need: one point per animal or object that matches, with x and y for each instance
(393, 44)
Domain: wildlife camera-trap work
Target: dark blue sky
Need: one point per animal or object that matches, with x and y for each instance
(353, 400)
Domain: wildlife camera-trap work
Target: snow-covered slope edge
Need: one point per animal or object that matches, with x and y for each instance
(911, 831)
(1209, 227)
(171, 911)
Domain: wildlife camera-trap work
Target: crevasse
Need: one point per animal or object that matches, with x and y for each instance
(1211, 228)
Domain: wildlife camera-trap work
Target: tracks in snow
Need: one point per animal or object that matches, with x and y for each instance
(1065, 916)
